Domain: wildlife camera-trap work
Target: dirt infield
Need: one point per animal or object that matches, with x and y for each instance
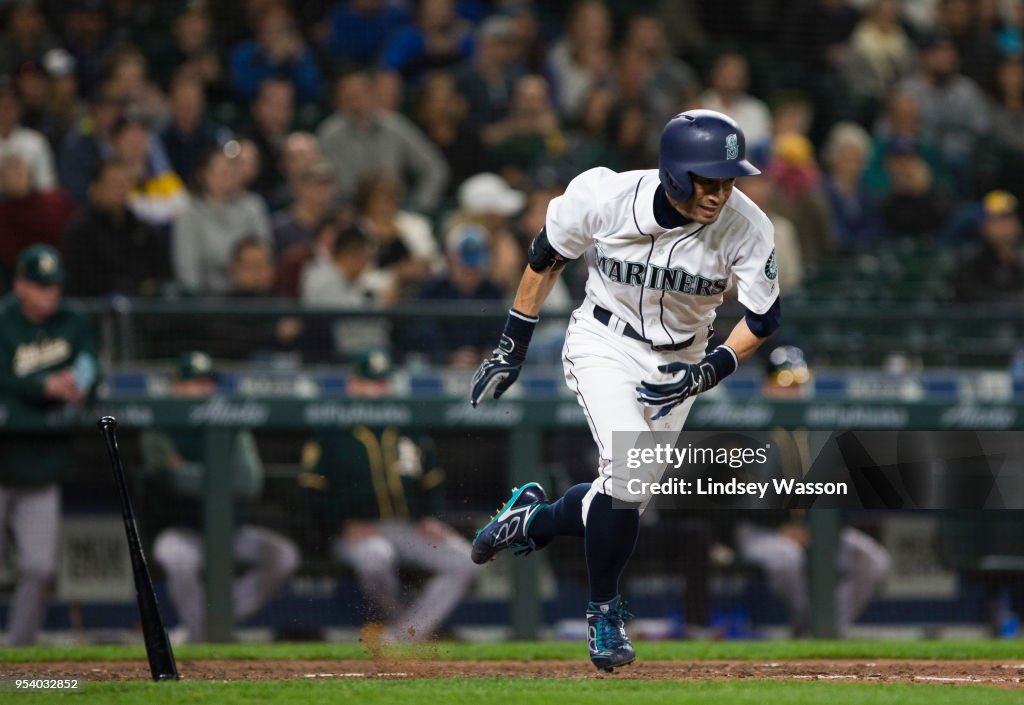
(1005, 674)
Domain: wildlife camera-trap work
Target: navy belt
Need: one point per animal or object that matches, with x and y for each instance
(604, 317)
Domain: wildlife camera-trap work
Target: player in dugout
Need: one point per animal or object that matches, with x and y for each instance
(174, 474)
(375, 494)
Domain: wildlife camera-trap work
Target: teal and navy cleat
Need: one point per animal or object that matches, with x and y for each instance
(508, 528)
(606, 636)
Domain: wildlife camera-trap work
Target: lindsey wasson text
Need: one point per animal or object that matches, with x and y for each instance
(735, 487)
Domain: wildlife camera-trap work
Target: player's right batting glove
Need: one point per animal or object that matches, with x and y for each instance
(694, 379)
(501, 369)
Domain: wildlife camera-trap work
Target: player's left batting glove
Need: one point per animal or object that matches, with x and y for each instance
(501, 369)
(693, 379)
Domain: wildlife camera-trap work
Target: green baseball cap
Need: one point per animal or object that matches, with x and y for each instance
(40, 264)
(195, 364)
(374, 364)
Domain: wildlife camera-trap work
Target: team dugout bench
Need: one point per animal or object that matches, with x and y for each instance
(524, 420)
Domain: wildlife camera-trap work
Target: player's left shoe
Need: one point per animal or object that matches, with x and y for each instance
(606, 634)
(509, 527)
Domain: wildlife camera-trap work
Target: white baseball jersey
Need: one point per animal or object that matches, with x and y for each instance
(665, 283)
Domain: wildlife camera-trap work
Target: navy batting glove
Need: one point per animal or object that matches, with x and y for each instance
(694, 379)
(501, 369)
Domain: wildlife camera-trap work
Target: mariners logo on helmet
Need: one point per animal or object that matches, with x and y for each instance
(770, 270)
(691, 143)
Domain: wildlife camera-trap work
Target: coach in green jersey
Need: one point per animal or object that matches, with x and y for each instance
(47, 368)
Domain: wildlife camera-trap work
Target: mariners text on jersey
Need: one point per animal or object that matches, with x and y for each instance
(655, 270)
(657, 278)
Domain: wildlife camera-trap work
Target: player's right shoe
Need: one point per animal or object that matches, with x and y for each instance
(606, 634)
(509, 527)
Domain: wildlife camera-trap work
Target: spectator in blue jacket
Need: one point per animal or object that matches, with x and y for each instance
(189, 133)
(87, 144)
(855, 214)
(358, 29)
(278, 50)
(439, 39)
(488, 80)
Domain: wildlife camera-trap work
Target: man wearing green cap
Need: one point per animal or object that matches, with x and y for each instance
(174, 474)
(47, 368)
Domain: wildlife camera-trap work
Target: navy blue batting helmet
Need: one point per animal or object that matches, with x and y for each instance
(701, 142)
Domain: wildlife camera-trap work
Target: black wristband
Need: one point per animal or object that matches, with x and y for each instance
(723, 361)
(515, 339)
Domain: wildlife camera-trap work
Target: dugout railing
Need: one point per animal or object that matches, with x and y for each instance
(835, 332)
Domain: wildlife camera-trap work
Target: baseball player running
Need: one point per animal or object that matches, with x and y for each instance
(661, 246)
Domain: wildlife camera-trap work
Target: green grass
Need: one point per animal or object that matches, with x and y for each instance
(534, 692)
(585, 688)
(754, 650)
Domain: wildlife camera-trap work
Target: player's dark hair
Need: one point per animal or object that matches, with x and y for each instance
(349, 240)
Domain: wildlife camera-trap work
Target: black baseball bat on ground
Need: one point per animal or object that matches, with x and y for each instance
(158, 646)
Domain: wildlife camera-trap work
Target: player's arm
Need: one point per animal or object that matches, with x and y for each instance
(746, 337)
(744, 342)
(501, 369)
(534, 289)
(572, 220)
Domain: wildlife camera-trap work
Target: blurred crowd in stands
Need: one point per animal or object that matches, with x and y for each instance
(369, 153)
(386, 151)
